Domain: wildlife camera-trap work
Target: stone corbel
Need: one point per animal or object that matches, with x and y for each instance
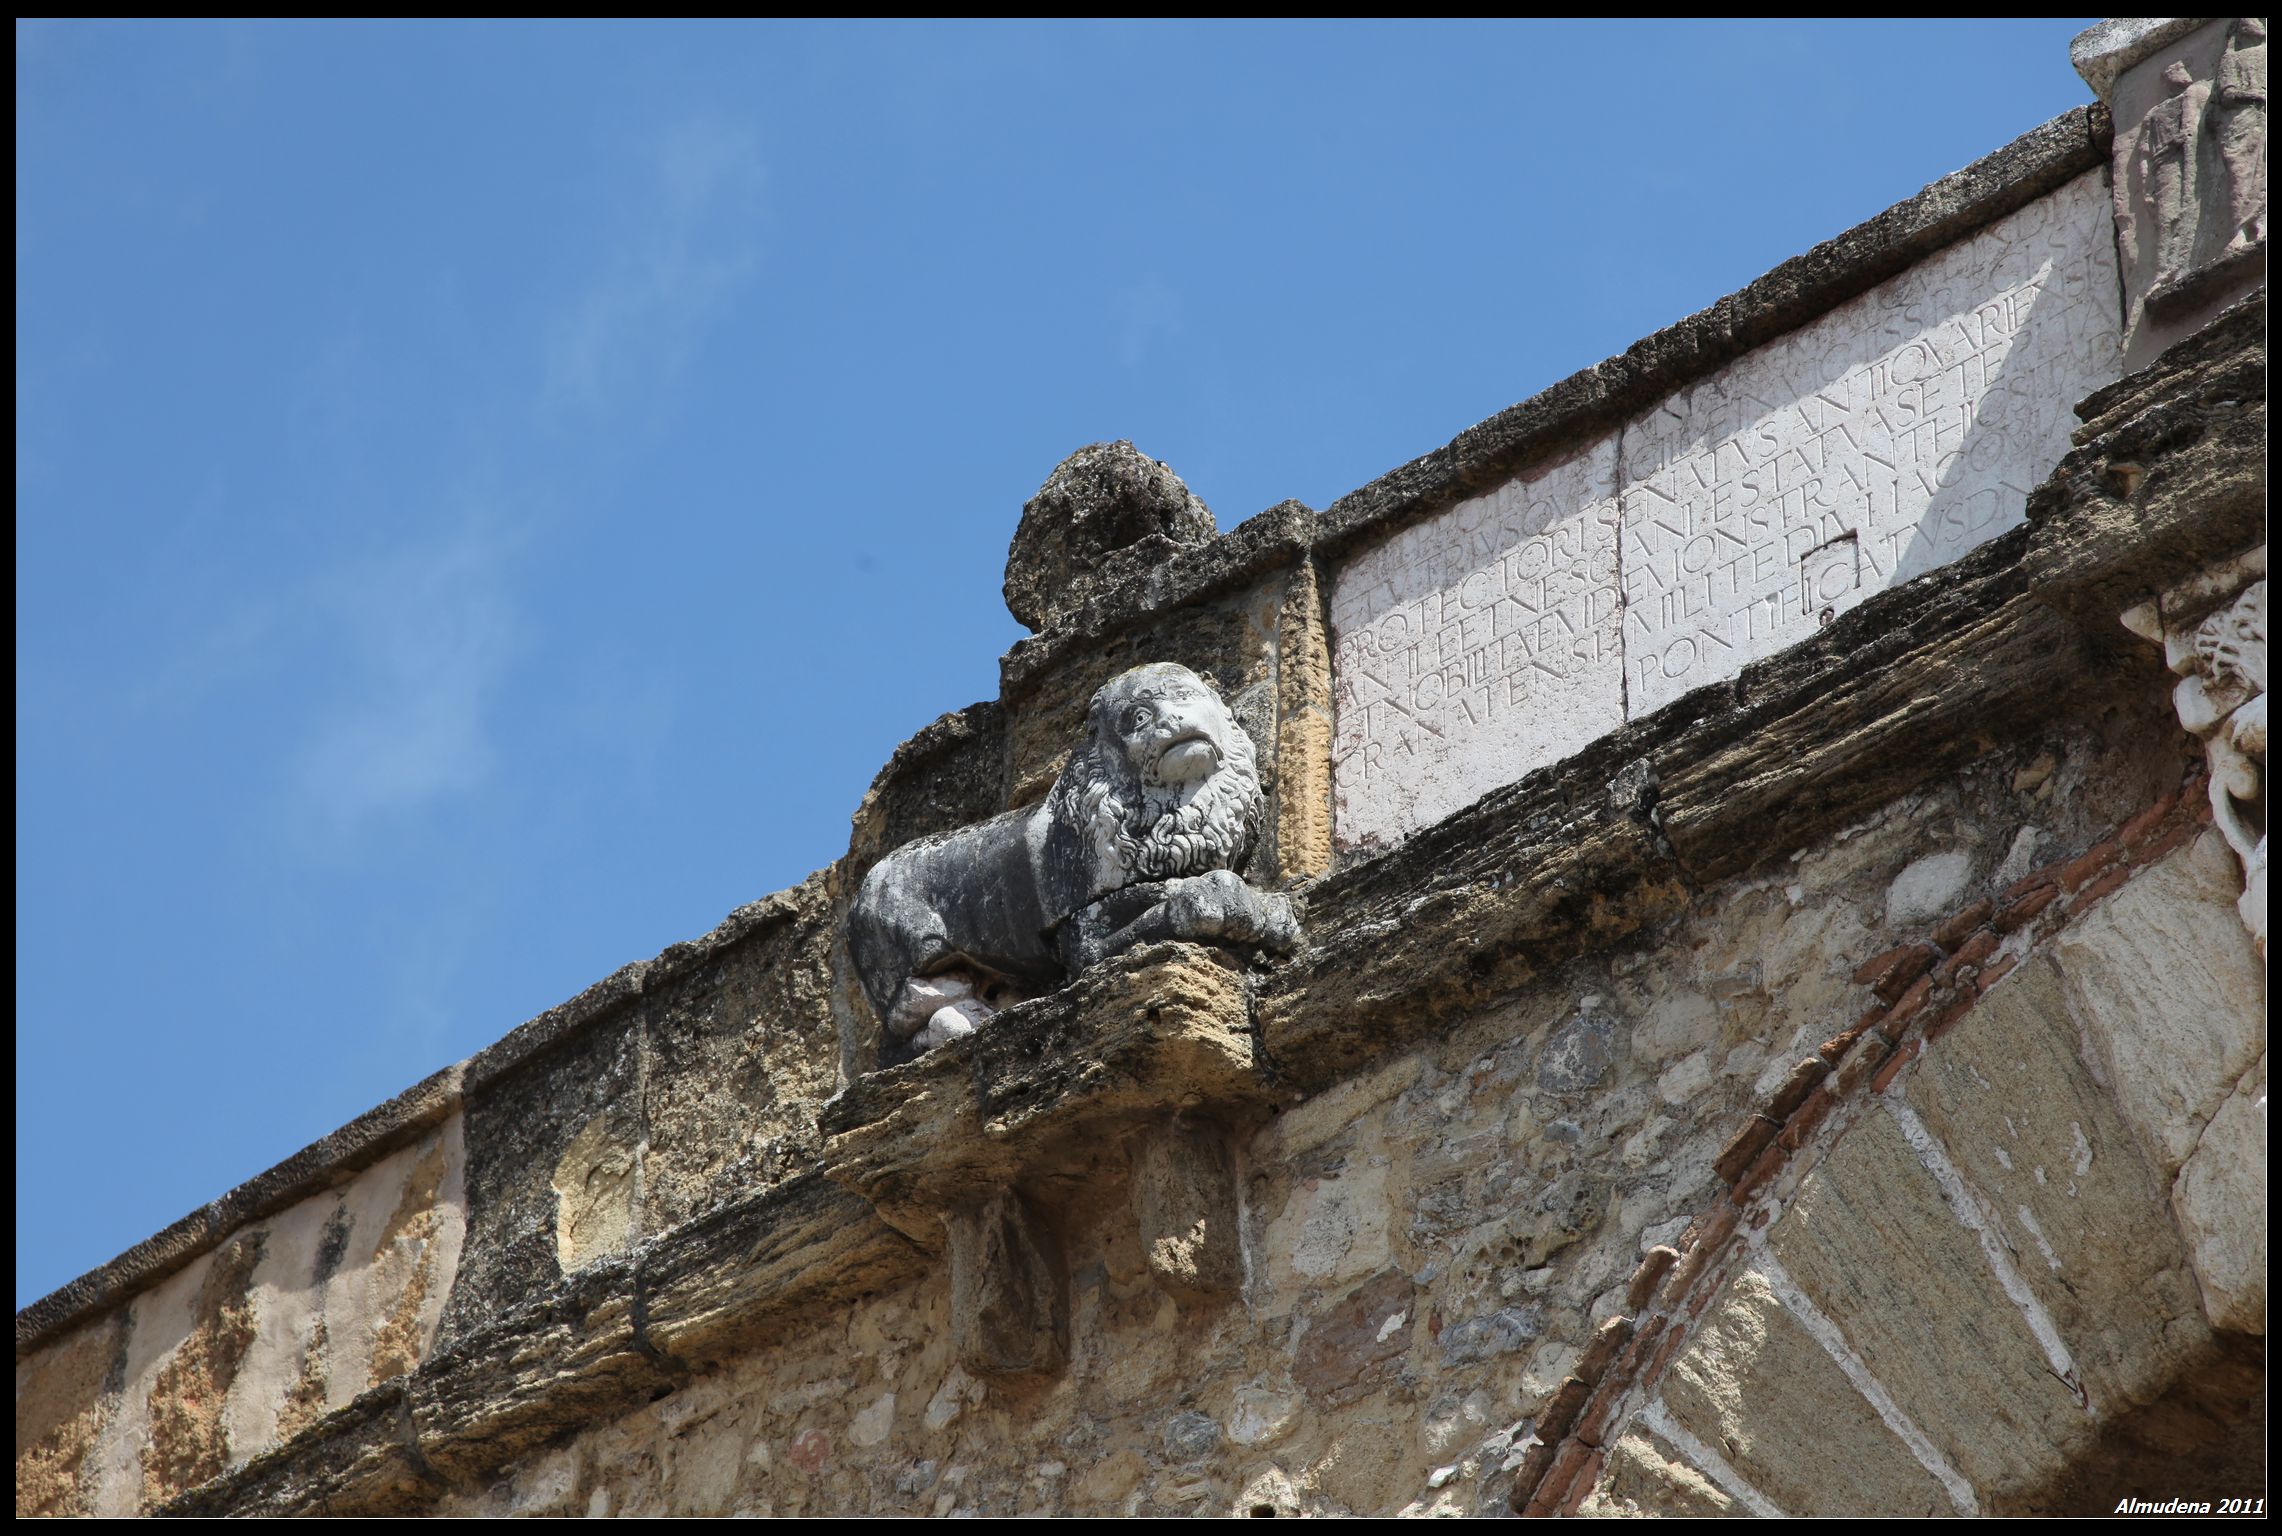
(1144, 1068)
(2213, 632)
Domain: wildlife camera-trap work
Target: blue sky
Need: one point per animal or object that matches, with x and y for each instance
(488, 499)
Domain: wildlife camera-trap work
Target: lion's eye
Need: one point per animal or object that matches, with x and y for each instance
(1142, 715)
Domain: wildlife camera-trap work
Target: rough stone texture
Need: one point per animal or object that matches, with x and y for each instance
(1106, 511)
(2221, 1202)
(61, 1406)
(1753, 1383)
(1049, 1089)
(1185, 1208)
(1010, 1301)
(1645, 1476)
(2168, 477)
(523, 1117)
(742, 1048)
(1873, 1243)
(1528, 1031)
(2061, 1177)
(2173, 1000)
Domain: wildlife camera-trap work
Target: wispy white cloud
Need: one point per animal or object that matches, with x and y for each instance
(694, 244)
(427, 633)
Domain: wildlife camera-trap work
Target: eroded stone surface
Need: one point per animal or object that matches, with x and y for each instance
(2221, 1201)
(2167, 985)
(1755, 1384)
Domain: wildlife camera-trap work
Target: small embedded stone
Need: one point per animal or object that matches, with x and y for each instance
(1191, 1436)
(1484, 1338)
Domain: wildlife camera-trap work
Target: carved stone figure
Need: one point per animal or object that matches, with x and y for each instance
(2238, 126)
(1143, 837)
(2221, 697)
(2166, 151)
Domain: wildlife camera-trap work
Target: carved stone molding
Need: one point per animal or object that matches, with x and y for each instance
(2213, 632)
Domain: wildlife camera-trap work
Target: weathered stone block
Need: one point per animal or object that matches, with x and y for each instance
(61, 1407)
(1753, 1382)
(2168, 987)
(1049, 1088)
(1010, 1293)
(552, 1138)
(2064, 1180)
(741, 1274)
(1871, 1241)
(2220, 1198)
(1184, 1200)
(742, 1048)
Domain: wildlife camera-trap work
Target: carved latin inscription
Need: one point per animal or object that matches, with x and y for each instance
(1880, 442)
(1475, 646)
(1886, 439)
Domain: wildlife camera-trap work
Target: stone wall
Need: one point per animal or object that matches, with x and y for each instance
(1823, 1073)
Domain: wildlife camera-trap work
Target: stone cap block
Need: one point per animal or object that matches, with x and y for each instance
(1053, 1082)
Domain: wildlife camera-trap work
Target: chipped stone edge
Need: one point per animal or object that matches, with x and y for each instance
(333, 1158)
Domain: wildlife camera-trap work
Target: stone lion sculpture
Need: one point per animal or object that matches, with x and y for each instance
(1143, 837)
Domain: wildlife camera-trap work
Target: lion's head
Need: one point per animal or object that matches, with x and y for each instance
(1165, 783)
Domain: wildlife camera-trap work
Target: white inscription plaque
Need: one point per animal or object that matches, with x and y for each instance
(1882, 441)
(1889, 437)
(1474, 646)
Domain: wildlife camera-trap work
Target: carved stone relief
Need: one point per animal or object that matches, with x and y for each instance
(2189, 165)
(1143, 838)
(2213, 633)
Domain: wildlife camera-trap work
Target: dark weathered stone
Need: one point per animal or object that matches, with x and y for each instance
(742, 1047)
(1106, 511)
(568, 1356)
(1010, 1293)
(742, 1273)
(523, 1116)
(1161, 796)
(2168, 477)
